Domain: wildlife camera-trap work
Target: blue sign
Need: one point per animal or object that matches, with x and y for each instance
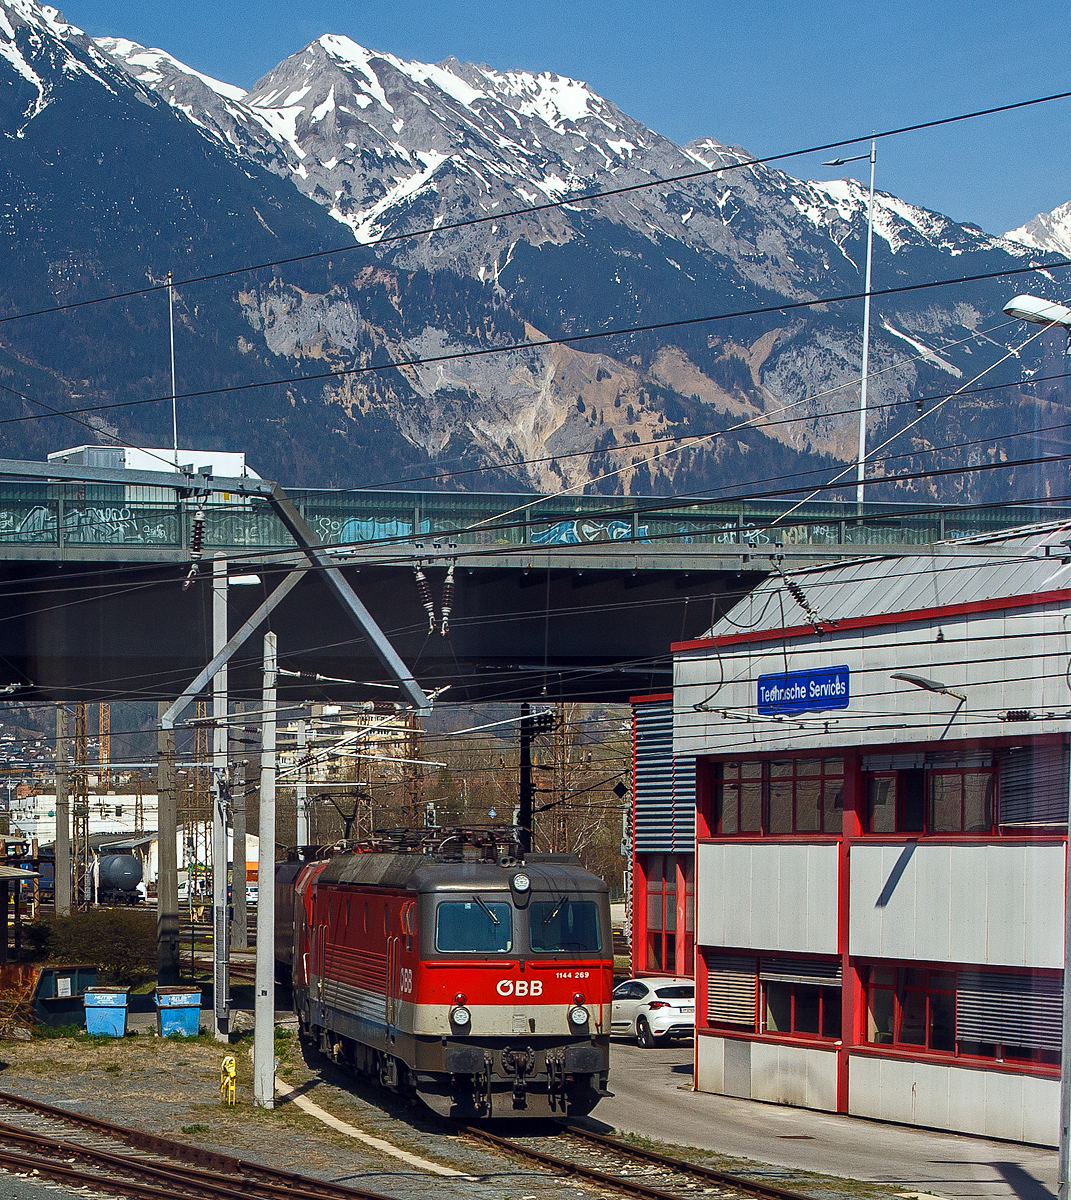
(804, 691)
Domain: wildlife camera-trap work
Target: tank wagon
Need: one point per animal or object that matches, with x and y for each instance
(119, 876)
(454, 969)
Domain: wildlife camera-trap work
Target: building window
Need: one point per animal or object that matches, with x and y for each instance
(661, 913)
(780, 996)
(930, 801)
(782, 796)
(980, 1014)
(960, 802)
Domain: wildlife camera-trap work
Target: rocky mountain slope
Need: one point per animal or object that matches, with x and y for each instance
(340, 146)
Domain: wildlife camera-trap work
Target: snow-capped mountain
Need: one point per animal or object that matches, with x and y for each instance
(1049, 232)
(380, 141)
(339, 145)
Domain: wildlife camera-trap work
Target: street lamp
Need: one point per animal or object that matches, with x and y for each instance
(1041, 312)
(927, 685)
(860, 469)
(932, 685)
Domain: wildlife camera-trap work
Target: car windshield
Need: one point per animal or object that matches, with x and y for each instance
(484, 925)
(564, 924)
(679, 992)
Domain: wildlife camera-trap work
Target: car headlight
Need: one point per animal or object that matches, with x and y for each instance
(460, 1016)
(578, 1015)
(521, 882)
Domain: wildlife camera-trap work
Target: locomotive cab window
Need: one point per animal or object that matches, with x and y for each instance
(476, 924)
(564, 924)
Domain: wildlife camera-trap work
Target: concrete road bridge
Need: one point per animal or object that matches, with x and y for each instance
(565, 596)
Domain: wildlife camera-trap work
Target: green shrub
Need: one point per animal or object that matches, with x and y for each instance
(121, 942)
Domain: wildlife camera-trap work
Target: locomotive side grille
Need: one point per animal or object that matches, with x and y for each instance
(359, 1002)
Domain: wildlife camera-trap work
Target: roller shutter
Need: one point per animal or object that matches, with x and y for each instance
(1033, 786)
(663, 786)
(800, 970)
(1009, 1010)
(732, 989)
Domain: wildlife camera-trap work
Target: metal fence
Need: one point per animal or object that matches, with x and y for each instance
(112, 515)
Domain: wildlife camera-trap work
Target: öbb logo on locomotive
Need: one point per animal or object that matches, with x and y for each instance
(520, 987)
(422, 961)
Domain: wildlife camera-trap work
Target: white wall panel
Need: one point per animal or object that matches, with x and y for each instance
(989, 656)
(993, 1104)
(797, 1075)
(710, 1065)
(767, 897)
(997, 904)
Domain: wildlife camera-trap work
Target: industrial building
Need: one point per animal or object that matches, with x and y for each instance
(663, 844)
(881, 773)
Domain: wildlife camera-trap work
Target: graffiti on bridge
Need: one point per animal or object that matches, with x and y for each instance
(585, 531)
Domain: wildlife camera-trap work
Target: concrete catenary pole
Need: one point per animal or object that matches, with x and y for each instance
(167, 909)
(63, 819)
(220, 922)
(264, 1002)
(239, 917)
(303, 837)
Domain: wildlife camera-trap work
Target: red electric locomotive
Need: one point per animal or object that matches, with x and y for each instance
(454, 969)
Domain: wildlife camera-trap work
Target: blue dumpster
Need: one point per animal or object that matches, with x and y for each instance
(178, 1011)
(106, 1011)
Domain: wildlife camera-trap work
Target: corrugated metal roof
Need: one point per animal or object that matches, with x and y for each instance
(7, 872)
(904, 583)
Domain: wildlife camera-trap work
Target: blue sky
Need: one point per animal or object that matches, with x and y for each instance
(767, 74)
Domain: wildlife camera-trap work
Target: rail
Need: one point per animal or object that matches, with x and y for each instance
(682, 1175)
(175, 1170)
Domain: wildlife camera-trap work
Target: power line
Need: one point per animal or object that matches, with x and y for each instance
(567, 339)
(578, 198)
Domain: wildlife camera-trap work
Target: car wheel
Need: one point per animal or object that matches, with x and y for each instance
(644, 1036)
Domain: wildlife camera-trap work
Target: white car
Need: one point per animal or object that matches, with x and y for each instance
(653, 1010)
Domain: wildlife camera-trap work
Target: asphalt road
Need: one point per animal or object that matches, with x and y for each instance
(653, 1097)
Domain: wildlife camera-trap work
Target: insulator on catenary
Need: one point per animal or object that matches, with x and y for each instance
(447, 602)
(197, 542)
(424, 592)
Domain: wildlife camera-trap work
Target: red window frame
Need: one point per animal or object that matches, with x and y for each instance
(914, 995)
(827, 1011)
(778, 797)
(935, 779)
(660, 936)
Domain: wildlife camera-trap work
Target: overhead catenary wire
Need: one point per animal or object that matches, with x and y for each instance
(566, 339)
(561, 202)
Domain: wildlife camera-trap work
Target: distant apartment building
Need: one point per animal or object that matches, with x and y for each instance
(881, 753)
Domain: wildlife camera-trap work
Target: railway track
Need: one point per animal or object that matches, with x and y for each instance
(619, 1167)
(79, 1151)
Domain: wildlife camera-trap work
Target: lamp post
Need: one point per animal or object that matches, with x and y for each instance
(1047, 312)
(860, 468)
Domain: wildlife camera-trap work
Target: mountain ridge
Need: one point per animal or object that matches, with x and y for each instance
(378, 146)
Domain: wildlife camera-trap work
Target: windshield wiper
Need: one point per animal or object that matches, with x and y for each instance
(486, 908)
(554, 911)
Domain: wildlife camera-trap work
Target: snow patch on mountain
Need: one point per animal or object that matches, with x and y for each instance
(47, 38)
(1050, 232)
(154, 66)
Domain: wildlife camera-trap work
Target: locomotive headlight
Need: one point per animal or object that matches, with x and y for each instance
(521, 882)
(578, 1015)
(460, 1017)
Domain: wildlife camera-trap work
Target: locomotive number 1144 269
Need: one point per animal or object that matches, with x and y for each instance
(571, 974)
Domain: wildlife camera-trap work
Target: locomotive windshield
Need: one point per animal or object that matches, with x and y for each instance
(476, 924)
(564, 924)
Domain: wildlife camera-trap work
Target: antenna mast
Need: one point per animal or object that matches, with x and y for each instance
(171, 324)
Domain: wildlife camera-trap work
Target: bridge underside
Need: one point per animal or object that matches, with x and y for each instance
(127, 631)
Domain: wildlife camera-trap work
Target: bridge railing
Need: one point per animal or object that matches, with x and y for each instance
(54, 514)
